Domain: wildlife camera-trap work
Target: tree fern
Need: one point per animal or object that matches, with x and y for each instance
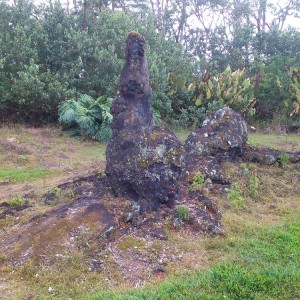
(87, 117)
(105, 132)
(156, 117)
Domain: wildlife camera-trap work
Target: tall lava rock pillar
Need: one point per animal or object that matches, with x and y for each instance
(143, 162)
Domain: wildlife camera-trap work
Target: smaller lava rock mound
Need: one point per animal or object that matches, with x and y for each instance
(221, 138)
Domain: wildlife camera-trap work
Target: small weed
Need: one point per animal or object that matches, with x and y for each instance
(58, 195)
(27, 272)
(69, 193)
(245, 168)
(183, 212)
(56, 192)
(284, 159)
(16, 200)
(253, 185)
(3, 258)
(22, 159)
(102, 175)
(156, 246)
(235, 197)
(53, 196)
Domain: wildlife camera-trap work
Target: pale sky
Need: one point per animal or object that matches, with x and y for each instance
(291, 20)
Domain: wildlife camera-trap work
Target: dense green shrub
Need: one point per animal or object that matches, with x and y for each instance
(52, 57)
(87, 117)
(229, 88)
(49, 54)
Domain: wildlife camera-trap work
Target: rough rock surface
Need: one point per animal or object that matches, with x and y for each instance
(268, 156)
(221, 138)
(143, 162)
(45, 237)
(131, 109)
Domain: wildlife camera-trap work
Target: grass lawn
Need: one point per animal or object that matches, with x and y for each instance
(282, 142)
(21, 175)
(264, 264)
(41, 158)
(257, 258)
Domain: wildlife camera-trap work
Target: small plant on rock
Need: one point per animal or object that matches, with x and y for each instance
(56, 191)
(244, 169)
(183, 213)
(284, 159)
(16, 200)
(197, 181)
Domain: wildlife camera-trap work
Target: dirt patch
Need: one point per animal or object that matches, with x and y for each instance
(55, 157)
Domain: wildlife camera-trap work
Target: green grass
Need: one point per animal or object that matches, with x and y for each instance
(289, 142)
(21, 175)
(265, 265)
(92, 152)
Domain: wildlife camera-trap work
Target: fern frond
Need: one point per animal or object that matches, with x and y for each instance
(87, 117)
(68, 116)
(105, 133)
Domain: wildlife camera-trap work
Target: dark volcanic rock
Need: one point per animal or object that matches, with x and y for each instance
(143, 162)
(268, 156)
(221, 138)
(131, 108)
(223, 135)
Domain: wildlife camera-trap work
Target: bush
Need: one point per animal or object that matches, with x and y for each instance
(229, 88)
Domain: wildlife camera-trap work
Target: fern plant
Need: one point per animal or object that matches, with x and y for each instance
(87, 117)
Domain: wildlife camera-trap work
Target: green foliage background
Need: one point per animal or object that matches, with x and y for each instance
(49, 54)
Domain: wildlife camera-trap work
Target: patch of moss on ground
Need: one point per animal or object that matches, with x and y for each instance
(131, 242)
